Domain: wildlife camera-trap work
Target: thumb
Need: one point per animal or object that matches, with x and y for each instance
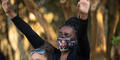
(78, 4)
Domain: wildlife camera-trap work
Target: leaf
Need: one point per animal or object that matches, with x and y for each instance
(116, 40)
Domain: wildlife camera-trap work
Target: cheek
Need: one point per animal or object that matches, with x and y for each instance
(73, 35)
(36, 57)
(43, 57)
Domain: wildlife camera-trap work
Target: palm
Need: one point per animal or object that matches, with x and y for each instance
(83, 6)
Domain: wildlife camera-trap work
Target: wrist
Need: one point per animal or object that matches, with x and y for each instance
(11, 13)
(83, 16)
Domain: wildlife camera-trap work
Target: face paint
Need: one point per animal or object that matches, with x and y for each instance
(66, 43)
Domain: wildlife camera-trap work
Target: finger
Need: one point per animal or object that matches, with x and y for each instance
(77, 7)
(85, 2)
(88, 0)
(3, 3)
(4, 0)
(82, 0)
(78, 4)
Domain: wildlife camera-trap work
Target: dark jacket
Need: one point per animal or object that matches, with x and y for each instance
(79, 52)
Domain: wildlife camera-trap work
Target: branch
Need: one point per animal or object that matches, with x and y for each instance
(67, 8)
(46, 26)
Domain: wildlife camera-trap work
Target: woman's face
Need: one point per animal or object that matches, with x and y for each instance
(66, 38)
(37, 56)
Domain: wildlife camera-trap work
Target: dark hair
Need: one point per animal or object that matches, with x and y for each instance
(48, 50)
(72, 22)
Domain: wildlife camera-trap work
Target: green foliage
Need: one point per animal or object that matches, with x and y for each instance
(76, 2)
(116, 40)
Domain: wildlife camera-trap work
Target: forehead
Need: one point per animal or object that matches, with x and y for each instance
(37, 56)
(66, 29)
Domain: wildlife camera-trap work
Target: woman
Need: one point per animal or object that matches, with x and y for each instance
(38, 54)
(72, 40)
(41, 53)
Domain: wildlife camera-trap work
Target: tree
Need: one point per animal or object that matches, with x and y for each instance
(113, 22)
(51, 36)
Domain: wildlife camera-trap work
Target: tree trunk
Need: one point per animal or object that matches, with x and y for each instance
(46, 26)
(112, 25)
(101, 29)
(93, 39)
(67, 6)
(16, 42)
(5, 46)
(101, 37)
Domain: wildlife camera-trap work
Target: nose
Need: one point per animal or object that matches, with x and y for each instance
(63, 35)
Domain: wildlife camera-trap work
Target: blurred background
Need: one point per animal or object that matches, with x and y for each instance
(46, 16)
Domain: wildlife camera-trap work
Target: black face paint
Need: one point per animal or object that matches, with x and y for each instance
(66, 43)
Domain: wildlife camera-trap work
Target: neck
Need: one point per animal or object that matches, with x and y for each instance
(65, 52)
(64, 55)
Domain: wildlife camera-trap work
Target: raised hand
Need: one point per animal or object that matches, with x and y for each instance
(6, 6)
(7, 9)
(83, 6)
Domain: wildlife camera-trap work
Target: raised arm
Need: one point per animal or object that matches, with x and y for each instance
(84, 48)
(80, 26)
(33, 37)
(83, 43)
